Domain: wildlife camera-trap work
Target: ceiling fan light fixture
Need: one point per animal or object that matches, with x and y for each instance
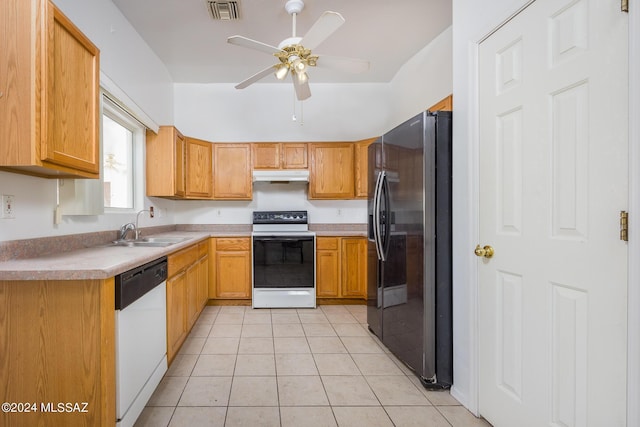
(302, 77)
(282, 72)
(299, 65)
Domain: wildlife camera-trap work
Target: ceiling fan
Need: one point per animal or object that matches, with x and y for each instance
(295, 54)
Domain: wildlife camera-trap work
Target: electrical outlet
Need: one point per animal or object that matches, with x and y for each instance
(7, 206)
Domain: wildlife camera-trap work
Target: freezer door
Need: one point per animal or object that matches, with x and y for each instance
(374, 266)
(403, 322)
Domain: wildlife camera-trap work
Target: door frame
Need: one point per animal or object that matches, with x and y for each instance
(633, 286)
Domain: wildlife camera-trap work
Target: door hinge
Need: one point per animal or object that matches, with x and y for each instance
(624, 226)
(624, 5)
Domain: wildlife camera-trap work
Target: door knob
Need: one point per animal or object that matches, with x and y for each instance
(486, 252)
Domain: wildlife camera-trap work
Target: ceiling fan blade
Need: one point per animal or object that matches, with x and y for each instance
(302, 88)
(321, 29)
(349, 65)
(253, 44)
(258, 76)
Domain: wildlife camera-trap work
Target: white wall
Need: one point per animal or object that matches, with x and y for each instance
(124, 56)
(263, 112)
(472, 20)
(424, 80)
(266, 197)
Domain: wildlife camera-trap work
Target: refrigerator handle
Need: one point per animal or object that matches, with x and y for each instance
(385, 235)
(376, 215)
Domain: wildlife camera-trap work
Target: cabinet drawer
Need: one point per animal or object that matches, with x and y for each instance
(327, 243)
(233, 244)
(181, 259)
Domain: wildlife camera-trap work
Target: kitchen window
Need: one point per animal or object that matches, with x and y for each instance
(122, 141)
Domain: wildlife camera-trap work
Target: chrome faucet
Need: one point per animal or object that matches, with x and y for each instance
(130, 226)
(125, 229)
(137, 232)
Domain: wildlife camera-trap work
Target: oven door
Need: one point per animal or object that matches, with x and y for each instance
(282, 262)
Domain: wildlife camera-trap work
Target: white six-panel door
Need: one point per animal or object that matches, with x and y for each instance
(553, 180)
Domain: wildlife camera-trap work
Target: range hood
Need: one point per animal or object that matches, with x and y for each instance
(286, 175)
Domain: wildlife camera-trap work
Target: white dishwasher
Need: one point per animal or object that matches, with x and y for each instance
(141, 337)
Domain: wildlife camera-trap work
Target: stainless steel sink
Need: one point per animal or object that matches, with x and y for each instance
(170, 240)
(134, 243)
(150, 242)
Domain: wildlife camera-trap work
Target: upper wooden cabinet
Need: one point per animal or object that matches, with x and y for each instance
(279, 155)
(49, 93)
(445, 104)
(232, 172)
(178, 167)
(166, 163)
(198, 162)
(294, 156)
(331, 170)
(362, 167)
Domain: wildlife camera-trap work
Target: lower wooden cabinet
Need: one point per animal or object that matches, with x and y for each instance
(327, 267)
(354, 267)
(188, 277)
(176, 313)
(58, 345)
(341, 267)
(230, 268)
(203, 274)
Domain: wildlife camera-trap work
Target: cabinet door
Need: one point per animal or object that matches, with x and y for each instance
(361, 168)
(176, 316)
(203, 281)
(327, 267)
(180, 178)
(198, 162)
(354, 267)
(294, 156)
(165, 158)
(266, 155)
(233, 278)
(331, 171)
(192, 303)
(232, 268)
(70, 131)
(232, 171)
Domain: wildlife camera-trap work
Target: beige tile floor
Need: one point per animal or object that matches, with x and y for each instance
(288, 367)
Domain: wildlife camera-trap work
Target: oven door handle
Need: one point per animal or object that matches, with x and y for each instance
(283, 239)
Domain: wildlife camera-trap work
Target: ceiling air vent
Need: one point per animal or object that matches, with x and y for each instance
(224, 10)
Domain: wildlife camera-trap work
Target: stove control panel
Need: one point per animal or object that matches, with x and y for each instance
(280, 217)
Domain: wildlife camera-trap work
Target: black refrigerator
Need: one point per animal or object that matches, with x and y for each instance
(409, 304)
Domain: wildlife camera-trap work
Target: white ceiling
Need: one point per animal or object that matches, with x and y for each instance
(194, 48)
